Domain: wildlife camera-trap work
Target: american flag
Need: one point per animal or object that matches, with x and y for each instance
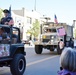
(61, 31)
(11, 22)
(55, 19)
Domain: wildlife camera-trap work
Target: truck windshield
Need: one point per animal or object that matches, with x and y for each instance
(50, 30)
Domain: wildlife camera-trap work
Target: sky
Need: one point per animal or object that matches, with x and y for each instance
(65, 10)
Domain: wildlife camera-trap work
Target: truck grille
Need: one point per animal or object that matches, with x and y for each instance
(46, 40)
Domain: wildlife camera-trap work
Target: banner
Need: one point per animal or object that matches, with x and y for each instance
(61, 31)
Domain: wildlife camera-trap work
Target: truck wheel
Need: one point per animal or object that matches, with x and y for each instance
(51, 49)
(38, 49)
(18, 65)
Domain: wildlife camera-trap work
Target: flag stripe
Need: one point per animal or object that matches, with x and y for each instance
(61, 31)
(55, 19)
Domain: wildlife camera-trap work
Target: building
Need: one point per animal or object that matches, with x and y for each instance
(24, 19)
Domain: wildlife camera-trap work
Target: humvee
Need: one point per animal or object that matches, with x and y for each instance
(12, 51)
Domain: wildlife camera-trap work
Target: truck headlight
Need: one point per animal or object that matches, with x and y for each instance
(44, 36)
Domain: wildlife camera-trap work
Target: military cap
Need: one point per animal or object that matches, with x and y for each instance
(6, 11)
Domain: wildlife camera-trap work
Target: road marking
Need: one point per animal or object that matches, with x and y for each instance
(35, 62)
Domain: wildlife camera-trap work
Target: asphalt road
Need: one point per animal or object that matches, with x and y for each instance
(46, 63)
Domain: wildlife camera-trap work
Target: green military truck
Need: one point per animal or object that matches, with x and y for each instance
(49, 37)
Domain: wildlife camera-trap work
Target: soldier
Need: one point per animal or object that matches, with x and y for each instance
(7, 20)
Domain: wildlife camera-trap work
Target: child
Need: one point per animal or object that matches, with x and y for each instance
(68, 62)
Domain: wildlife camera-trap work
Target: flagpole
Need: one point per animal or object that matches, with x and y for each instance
(10, 10)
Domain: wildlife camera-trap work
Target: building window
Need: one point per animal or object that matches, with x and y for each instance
(29, 20)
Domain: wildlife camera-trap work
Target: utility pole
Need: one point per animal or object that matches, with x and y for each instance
(35, 6)
(74, 21)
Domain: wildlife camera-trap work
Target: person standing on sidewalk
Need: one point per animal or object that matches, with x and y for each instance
(61, 44)
(71, 42)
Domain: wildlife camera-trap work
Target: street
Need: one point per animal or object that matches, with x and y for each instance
(46, 63)
(28, 28)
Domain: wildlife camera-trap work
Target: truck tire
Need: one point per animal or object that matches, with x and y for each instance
(18, 65)
(38, 49)
(51, 49)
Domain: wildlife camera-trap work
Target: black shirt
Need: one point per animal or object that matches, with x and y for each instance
(5, 19)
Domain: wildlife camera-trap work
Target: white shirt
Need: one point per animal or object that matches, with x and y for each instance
(61, 44)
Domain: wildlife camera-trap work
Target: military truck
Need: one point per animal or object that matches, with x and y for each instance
(49, 37)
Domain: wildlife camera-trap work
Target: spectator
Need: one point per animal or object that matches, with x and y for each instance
(61, 44)
(71, 43)
(68, 62)
(67, 43)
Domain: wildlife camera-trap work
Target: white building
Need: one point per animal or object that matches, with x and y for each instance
(24, 19)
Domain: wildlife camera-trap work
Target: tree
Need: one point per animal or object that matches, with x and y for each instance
(35, 29)
(75, 32)
(1, 15)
